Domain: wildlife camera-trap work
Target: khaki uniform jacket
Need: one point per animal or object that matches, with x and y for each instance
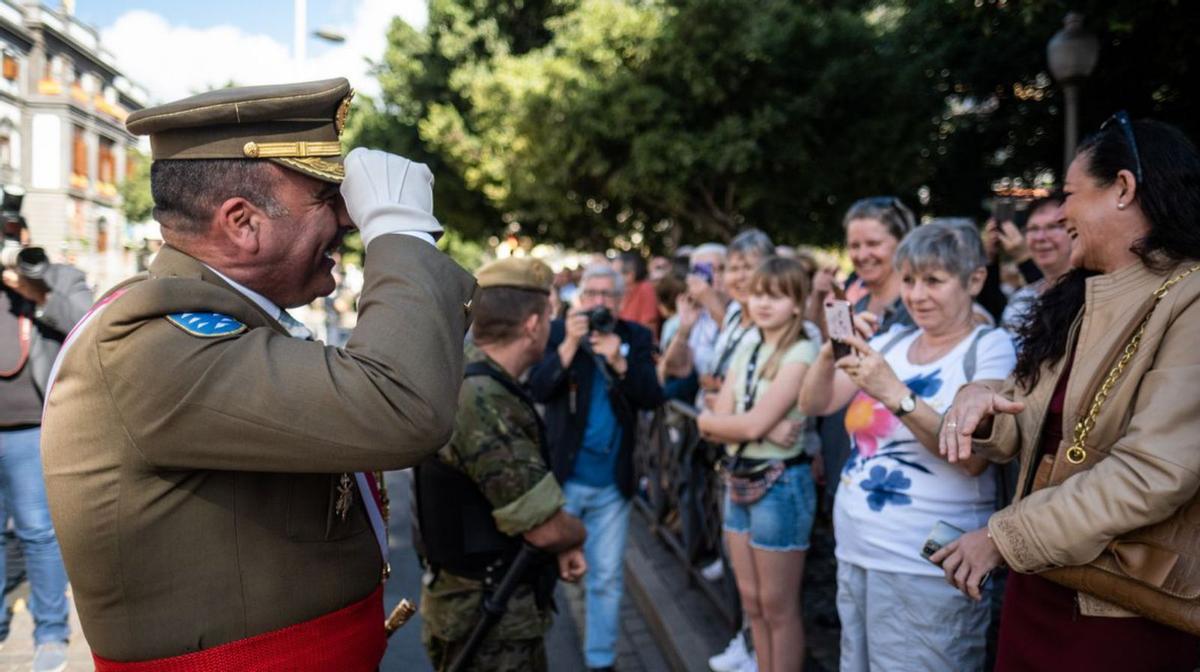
(192, 480)
(1149, 428)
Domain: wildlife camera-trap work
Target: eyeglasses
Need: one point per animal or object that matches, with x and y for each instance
(599, 293)
(1122, 119)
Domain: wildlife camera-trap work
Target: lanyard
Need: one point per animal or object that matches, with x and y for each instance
(751, 369)
(730, 348)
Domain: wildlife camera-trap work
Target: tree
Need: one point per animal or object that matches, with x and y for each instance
(136, 201)
(1002, 115)
(415, 75)
(651, 122)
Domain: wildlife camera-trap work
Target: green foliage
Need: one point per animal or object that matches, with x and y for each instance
(136, 202)
(655, 122)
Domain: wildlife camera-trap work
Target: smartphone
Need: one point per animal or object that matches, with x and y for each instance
(942, 533)
(838, 322)
(704, 270)
(1004, 209)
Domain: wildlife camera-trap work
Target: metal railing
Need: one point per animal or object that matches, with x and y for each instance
(680, 493)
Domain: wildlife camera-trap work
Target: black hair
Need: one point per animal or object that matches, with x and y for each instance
(187, 192)
(631, 259)
(1169, 195)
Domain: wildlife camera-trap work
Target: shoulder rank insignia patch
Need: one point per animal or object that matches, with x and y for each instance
(206, 325)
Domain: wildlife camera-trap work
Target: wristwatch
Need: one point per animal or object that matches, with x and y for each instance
(907, 405)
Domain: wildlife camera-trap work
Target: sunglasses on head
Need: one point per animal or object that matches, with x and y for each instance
(1121, 119)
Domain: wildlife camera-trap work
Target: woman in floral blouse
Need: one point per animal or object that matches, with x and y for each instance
(897, 611)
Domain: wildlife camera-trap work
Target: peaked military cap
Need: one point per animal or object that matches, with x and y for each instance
(519, 272)
(295, 125)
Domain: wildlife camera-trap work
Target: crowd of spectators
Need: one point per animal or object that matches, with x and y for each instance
(963, 339)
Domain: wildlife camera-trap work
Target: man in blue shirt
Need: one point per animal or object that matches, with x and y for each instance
(594, 379)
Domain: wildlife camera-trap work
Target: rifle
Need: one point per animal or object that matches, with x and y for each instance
(495, 604)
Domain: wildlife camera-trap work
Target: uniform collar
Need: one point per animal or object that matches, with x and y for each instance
(472, 353)
(172, 262)
(259, 300)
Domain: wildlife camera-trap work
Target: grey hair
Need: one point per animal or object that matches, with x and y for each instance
(187, 192)
(952, 245)
(887, 210)
(604, 271)
(752, 242)
(709, 248)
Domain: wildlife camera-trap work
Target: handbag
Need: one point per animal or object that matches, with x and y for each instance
(1135, 571)
(749, 479)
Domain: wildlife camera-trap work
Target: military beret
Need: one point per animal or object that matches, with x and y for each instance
(519, 272)
(295, 125)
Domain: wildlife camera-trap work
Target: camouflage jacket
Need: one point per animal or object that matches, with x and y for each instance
(495, 444)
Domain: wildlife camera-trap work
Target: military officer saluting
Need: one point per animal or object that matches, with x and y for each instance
(203, 459)
(491, 489)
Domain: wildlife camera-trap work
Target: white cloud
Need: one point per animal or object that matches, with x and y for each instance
(175, 61)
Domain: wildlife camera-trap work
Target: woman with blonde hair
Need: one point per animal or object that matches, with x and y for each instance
(770, 498)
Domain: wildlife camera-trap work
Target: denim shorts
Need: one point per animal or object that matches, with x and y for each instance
(782, 520)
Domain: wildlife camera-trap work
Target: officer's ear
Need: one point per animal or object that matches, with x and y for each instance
(530, 326)
(240, 222)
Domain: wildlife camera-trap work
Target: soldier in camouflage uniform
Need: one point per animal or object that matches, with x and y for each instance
(498, 446)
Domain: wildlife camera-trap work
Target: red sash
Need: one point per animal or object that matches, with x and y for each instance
(350, 639)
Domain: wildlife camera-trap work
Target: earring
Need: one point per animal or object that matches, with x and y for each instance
(1120, 206)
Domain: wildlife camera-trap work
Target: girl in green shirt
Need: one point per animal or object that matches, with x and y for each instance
(756, 415)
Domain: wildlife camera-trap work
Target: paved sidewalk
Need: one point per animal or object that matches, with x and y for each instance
(17, 652)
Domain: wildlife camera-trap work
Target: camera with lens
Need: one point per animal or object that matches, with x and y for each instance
(601, 320)
(27, 260)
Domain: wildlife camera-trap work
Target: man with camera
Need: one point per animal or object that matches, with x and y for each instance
(597, 374)
(39, 304)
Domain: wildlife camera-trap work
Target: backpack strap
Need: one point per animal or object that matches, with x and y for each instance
(891, 343)
(970, 359)
(484, 369)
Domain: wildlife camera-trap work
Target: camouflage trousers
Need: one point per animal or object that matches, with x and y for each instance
(511, 655)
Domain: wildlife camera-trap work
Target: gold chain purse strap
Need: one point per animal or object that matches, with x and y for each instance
(1076, 453)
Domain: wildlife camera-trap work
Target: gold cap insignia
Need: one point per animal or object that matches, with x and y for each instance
(339, 121)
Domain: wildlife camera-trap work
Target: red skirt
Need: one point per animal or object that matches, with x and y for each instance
(1041, 629)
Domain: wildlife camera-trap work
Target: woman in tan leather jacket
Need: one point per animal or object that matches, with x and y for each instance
(1125, 500)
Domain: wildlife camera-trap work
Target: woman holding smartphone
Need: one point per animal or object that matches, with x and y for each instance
(771, 500)
(896, 609)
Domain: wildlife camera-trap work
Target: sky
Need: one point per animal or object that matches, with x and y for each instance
(179, 47)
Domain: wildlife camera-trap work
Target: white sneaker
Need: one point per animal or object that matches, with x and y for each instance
(733, 658)
(713, 571)
(750, 665)
(50, 657)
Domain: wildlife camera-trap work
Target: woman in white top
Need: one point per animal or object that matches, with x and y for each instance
(896, 609)
(768, 537)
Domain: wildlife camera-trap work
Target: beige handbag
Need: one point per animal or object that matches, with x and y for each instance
(1153, 571)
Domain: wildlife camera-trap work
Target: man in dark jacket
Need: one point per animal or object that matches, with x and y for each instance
(40, 303)
(596, 375)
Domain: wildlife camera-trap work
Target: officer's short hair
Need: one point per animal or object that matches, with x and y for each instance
(499, 312)
(187, 192)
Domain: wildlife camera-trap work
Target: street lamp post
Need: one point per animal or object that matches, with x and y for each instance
(1072, 54)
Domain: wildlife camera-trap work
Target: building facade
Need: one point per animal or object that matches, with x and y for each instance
(63, 105)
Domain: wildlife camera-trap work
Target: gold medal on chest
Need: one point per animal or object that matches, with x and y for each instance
(345, 495)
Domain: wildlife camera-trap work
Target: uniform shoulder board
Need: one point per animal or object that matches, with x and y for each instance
(206, 325)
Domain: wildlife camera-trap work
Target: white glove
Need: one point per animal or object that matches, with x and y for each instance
(386, 193)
